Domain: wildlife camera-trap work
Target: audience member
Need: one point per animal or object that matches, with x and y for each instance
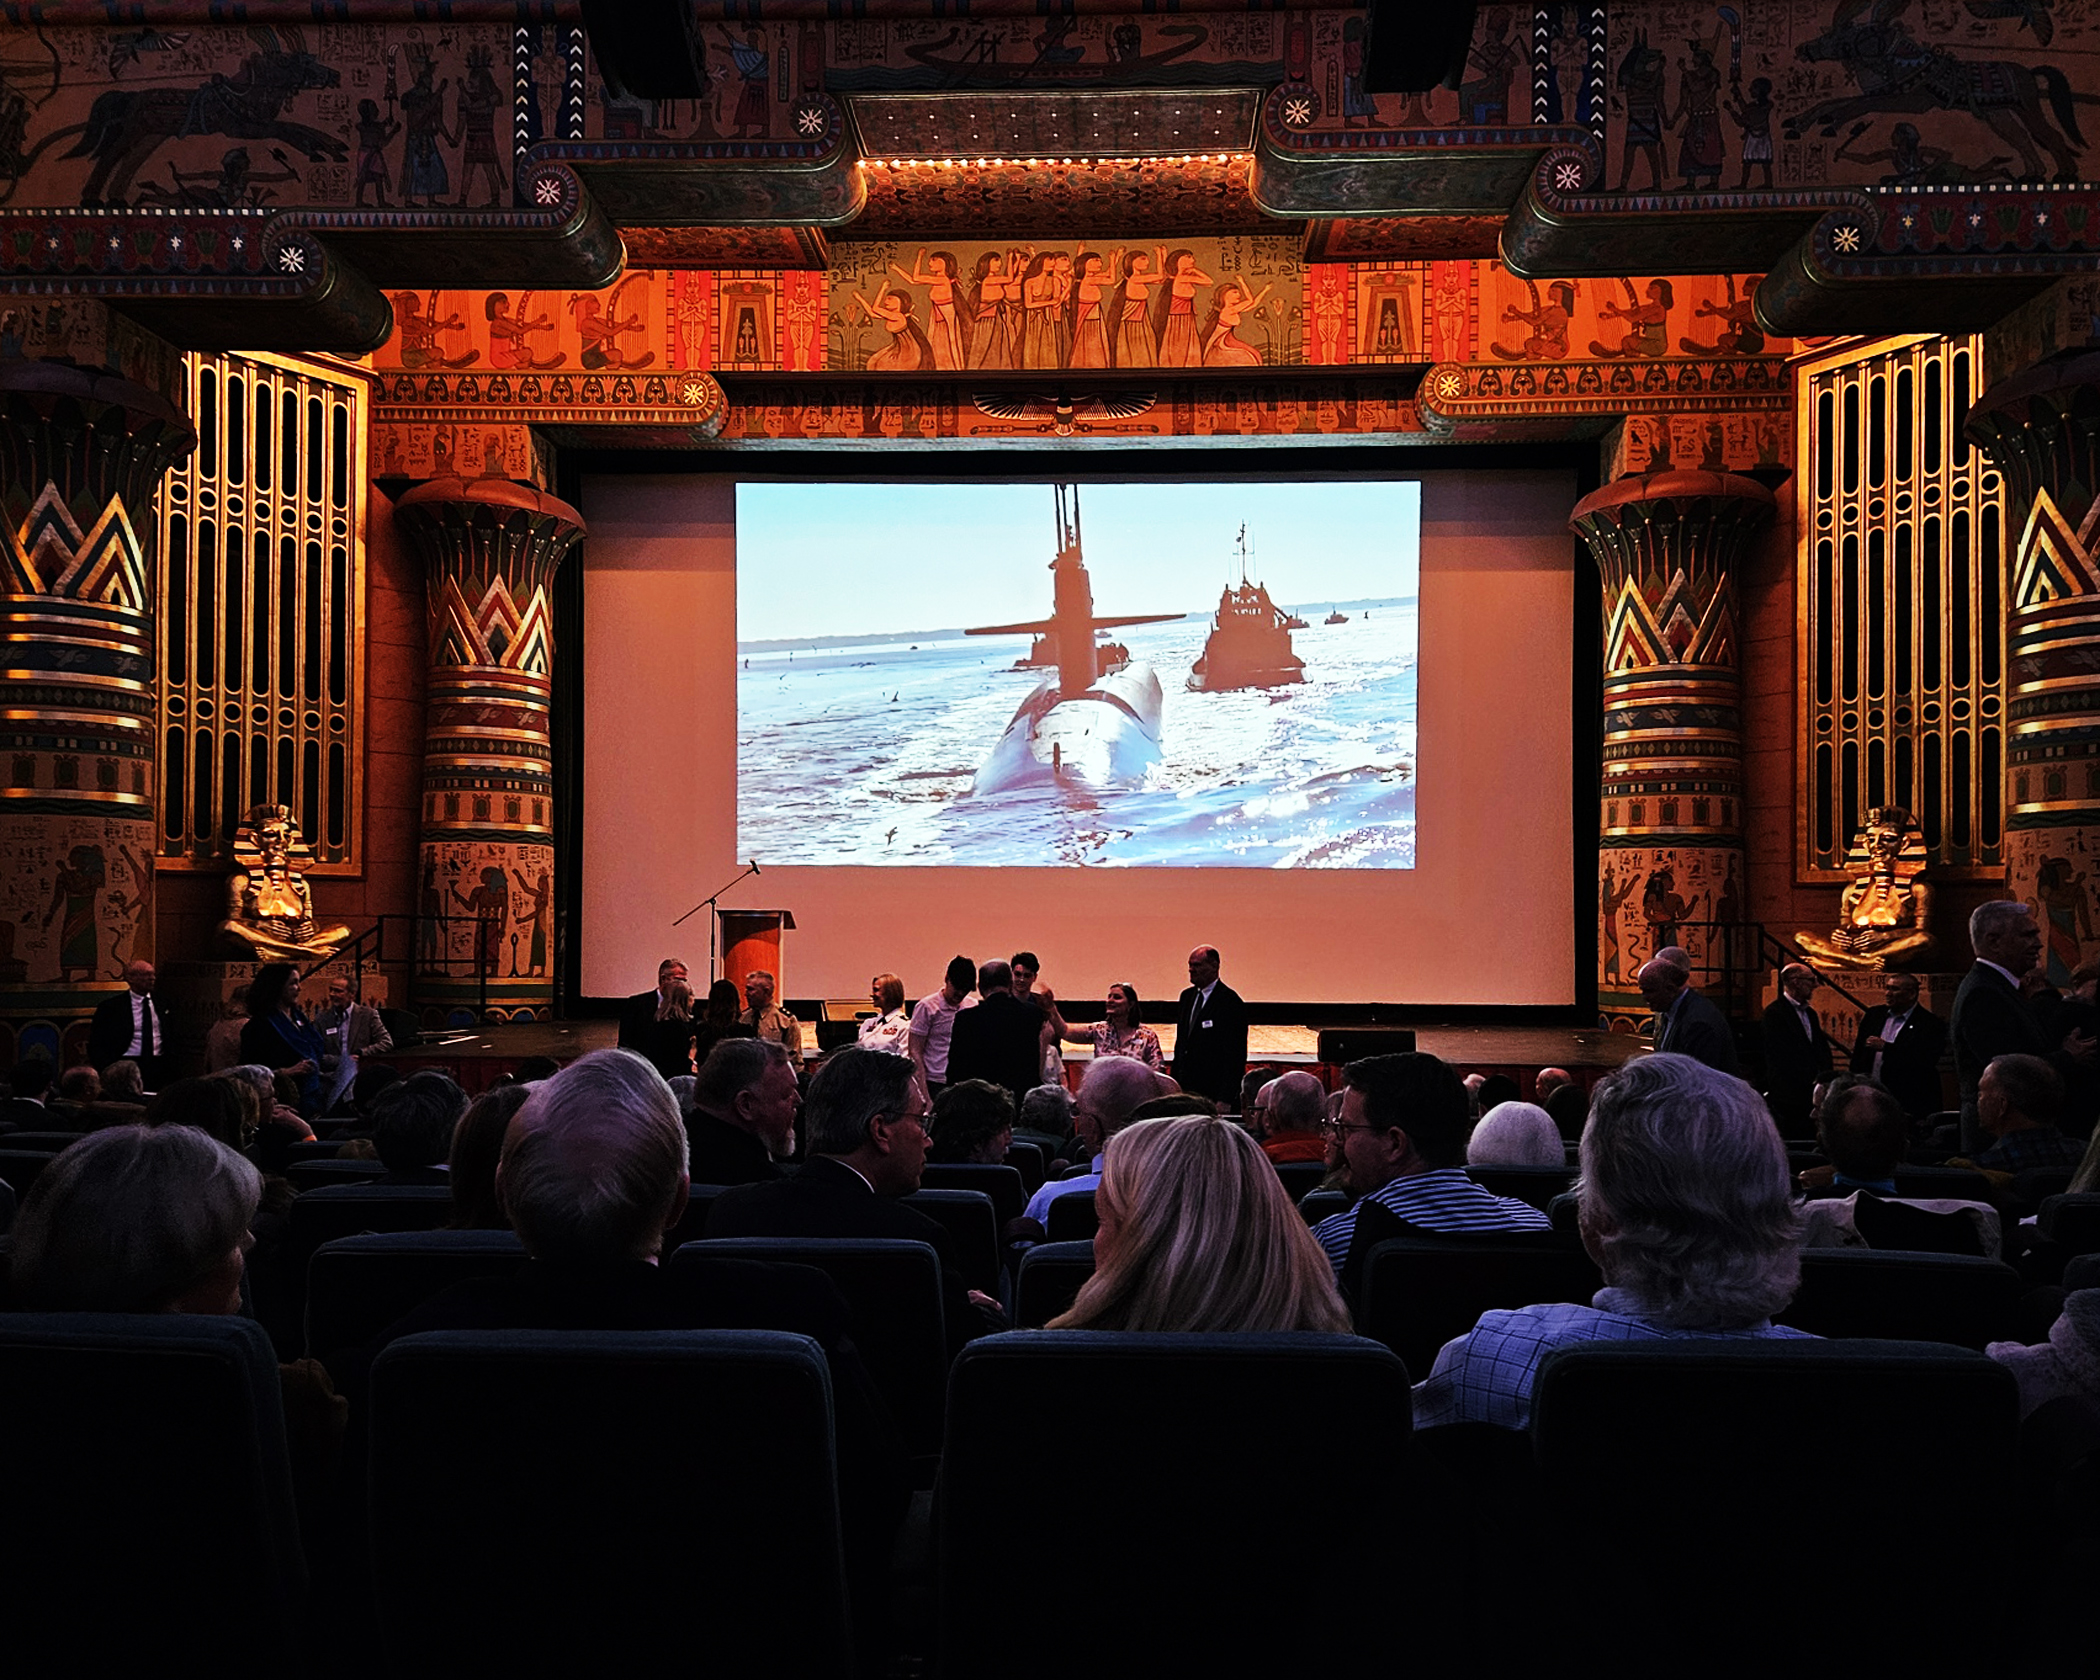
(1549, 1080)
(122, 1082)
(222, 1042)
(412, 1125)
(1686, 1209)
(1121, 1030)
(889, 1028)
(1686, 1021)
(1570, 1107)
(718, 1020)
(28, 1084)
(78, 1089)
(1197, 1234)
(1797, 1051)
(1046, 1121)
(1172, 1104)
(1497, 1089)
(1900, 1044)
(638, 1014)
(129, 1026)
(212, 1105)
(1001, 1040)
(764, 1018)
(277, 1094)
(1109, 1092)
(1252, 1084)
(743, 1120)
(1210, 1034)
(933, 1023)
(866, 1130)
(477, 1145)
(1991, 1017)
(668, 1041)
(2076, 1011)
(682, 1088)
(1515, 1134)
(1473, 1082)
(278, 1036)
(2019, 1100)
(1863, 1131)
(1293, 1113)
(973, 1120)
(1398, 1144)
(533, 1069)
(365, 1089)
(2066, 1365)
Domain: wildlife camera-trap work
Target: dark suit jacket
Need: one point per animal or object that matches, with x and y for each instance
(1990, 1019)
(1210, 1052)
(720, 1153)
(1001, 1041)
(1910, 1067)
(1795, 1063)
(828, 1199)
(637, 1018)
(1699, 1030)
(109, 1036)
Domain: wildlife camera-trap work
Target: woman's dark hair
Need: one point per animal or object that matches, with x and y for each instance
(724, 1002)
(966, 1116)
(211, 1106)
(266, 992)
(1137, 1004)
(477, 1145)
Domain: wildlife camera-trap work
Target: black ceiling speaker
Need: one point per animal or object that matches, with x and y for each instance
(648, 49)
(1411, 46)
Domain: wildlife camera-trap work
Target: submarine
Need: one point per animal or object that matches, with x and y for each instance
(1094, 724)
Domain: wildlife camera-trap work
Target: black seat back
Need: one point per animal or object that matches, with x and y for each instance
(1628, 1433)
(2072, 1222)
(7, 1208)
(692, 1226)
(1535, 1185)
(1896, 1295)
(1072, 1217)
(1316, 1205)
(1420, 1292)
(1027, 1160)
(19, 1167)
(1960, 1184)
(1173, 1508)
(320, 1216)
(317, 1174)
(1052, 1274)
(148, 1450)
(972, 1224)
(1001, 1183)
(40, 1143)
(1300, 1178)
(357, 1286)
(894, 1289)
(1895, 1224)
(580, 1501)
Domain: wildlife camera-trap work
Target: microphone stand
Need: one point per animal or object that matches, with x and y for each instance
(713, 917)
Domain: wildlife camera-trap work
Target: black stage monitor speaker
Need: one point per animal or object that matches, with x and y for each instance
(1411, 46)
(1351, 1044)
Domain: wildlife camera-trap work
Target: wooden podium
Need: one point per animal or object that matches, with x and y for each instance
(751, 939)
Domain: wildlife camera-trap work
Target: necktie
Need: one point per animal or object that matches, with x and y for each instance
(145, 1026)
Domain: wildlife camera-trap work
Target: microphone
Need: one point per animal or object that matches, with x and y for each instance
(754, 867)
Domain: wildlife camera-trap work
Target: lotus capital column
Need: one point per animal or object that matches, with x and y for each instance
(485, 914)
(1671, 855)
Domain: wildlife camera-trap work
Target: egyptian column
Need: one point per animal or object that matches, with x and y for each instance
(485, 912)
(2042, 430)
(1667, 547)
(90, 428)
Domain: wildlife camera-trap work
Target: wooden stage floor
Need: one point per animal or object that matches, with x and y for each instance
(476, 1058)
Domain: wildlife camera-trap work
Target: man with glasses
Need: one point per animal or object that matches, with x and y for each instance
(1398, 1141)
(1113, 1087)
(864, 1119)
(1900, 1043)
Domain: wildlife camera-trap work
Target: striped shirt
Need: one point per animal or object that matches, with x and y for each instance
(1442, 1200)
(1485, 1376)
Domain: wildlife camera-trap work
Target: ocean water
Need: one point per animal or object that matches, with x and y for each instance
(865, 755)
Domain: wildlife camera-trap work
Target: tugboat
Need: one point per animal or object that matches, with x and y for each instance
(1094, 723)
(1336, 617)
(1250, 640)
(1294, 622)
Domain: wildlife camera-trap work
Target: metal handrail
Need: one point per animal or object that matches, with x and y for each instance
(423, 957)
(1759, 952)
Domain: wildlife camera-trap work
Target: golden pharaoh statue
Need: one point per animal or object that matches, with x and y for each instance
(269, 906)
(1884, 916)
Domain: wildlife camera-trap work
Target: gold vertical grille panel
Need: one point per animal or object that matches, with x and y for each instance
(1901, 607)
(262, 609)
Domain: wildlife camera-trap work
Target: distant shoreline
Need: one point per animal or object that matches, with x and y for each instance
(1311, 611)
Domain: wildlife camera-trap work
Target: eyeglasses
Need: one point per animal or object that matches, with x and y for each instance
(1336, 1128)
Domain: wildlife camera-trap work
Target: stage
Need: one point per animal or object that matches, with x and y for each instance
(477, 1059)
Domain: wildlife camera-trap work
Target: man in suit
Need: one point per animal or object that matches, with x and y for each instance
(1210, 1039)
(638, 1013)
(1991, 1018)
(742, 1125)
(1900, 1044)
(128, 1027)
(864, 1118)
(1686, 1022)
(1797, 1052)
(1001, 1040)
(28, 1084)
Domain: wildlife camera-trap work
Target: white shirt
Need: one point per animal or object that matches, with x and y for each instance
(1889, 1029)
(886, 1032)
(141, 1006)
(933, 1022)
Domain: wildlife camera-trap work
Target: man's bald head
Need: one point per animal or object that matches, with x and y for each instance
(1297, 1102)
(1660, 982)
(1113, 1086)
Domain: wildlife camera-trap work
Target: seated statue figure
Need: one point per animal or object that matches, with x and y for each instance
(1884, 916)
(269, 905)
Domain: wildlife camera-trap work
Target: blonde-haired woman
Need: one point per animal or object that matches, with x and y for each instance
(1197, 1235)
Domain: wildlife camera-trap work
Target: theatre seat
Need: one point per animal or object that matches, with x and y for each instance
(1534, 1185)
(2072, 1222)
(318, 1174)
(899, 1324)
(1198, 1446)
(595, 1502)
(7, 1208)
(357, 1286)
(1316, 1205)
(42, 1143)
(2082, 1273)
(1072, 1217)
(1420, 1292)
(317, 1149)
(1027, 1160)
(1685, 1471)
(1002, 1183)
(973, 1232)
(693, 1225)
(1052, 1275)
(19, 1167)
(1897, 1295)
(1300, 1178)
(320, 1216)
(150, 1527)
(1942, 1184)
